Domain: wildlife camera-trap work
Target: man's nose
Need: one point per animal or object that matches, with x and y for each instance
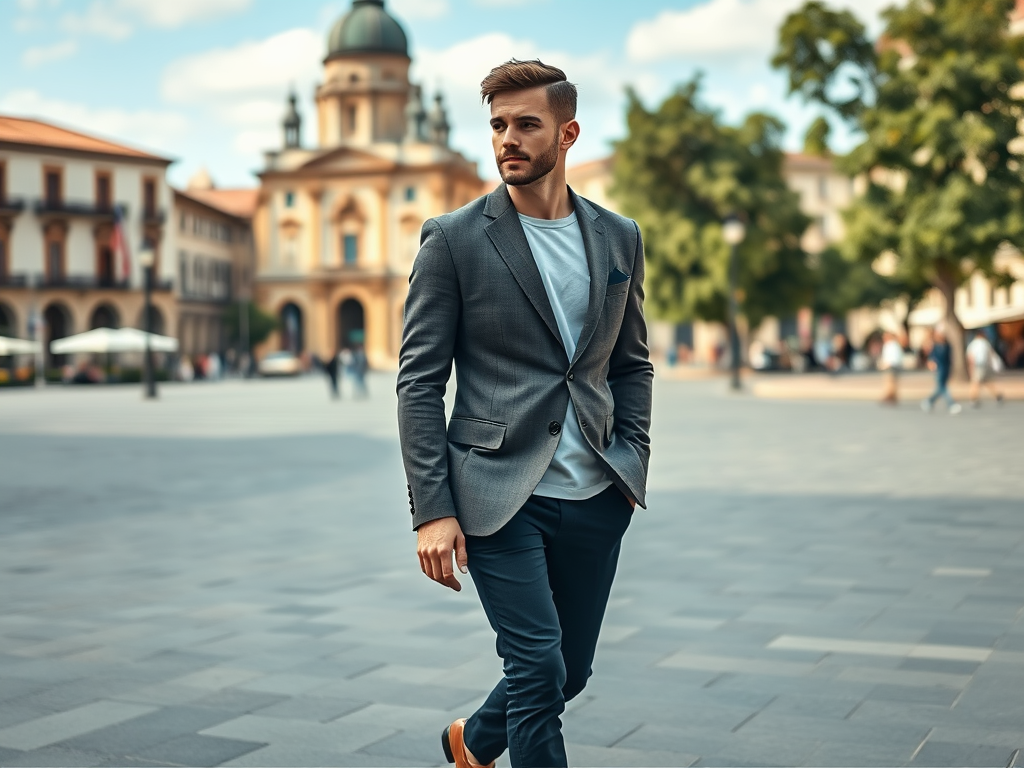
(509, 139)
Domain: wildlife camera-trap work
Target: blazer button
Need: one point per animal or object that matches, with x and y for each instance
(554, 427)
(570, 377)
(583, 424)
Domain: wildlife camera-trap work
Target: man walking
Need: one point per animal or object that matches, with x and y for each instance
(536, 295)
(982, 362)
(940, 360)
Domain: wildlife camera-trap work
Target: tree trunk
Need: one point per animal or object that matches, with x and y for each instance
(947, 284)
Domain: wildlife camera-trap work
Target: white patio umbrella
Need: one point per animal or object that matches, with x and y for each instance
(9, 346)
(113, 340)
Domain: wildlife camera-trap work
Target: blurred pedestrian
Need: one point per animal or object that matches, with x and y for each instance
(982, 362)
(333, 374)
(940, 360)
(213, 366)
(357, 370)
(891, 361)
(185, 370)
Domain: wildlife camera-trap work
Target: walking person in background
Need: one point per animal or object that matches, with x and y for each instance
(536, 295)
(357, 369)
(982, 362)
(940, 360)
(891, 362)
(333, 372)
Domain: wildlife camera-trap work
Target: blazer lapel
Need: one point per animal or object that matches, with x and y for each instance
(596, 245)
(506, 232)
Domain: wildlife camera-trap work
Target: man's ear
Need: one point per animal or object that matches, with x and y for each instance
(570, 133)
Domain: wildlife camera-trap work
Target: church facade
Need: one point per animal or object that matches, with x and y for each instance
(337, 226)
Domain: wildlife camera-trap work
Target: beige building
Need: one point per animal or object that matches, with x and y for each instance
(337, 225)
(60, 270)
(215, 260)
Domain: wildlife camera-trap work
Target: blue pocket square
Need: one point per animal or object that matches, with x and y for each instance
(617, 276)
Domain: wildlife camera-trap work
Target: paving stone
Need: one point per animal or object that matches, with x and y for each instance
(294, 626)
(195, 749)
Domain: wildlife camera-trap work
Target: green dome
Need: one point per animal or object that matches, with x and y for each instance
(367, 28)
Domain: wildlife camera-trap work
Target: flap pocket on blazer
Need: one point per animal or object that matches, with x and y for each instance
(616, 288)
(476, 432)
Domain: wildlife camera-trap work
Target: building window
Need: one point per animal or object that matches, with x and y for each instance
(352, 114)
(181, 222)
(149, 197)
(103, 193)
(183, 271)
(52, 186)
(289, 199)
(410, 194)
(350, 248)
(3, 182)
(4, 266)
(55, 260)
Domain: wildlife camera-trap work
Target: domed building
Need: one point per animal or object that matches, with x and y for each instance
(337, 226)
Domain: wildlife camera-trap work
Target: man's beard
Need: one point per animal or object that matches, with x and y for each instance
(538, 168)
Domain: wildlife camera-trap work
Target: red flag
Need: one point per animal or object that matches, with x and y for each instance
(119, 242)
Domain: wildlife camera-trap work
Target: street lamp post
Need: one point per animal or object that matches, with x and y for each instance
(146, 259)
(734, 232)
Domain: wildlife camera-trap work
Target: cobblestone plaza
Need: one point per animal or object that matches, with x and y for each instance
(227, 577)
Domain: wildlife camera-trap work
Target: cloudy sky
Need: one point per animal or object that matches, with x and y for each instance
(204, 81)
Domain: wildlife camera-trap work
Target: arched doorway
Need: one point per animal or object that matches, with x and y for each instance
(291, 329)
(156, 317)
(351, 323)
(104, 316)
(58, 325)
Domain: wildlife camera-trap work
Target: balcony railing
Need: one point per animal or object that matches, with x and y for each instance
(11, 205)
(81, 282)
(68, 208)
(14, 281)
(154, 217)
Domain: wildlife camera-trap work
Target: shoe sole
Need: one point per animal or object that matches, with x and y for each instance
(446, 745)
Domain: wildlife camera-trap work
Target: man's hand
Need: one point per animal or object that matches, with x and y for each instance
(436, 541)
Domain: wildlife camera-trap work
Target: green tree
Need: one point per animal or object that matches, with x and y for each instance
(816, 138)
(680, 172)
(261, 324)
(936, 104)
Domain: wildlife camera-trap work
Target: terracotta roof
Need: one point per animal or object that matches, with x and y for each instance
(591, 166)
(20, 130)
(799, 158)
(234, 202)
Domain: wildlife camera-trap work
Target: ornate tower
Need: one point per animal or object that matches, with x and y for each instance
(292, 124)
(363, 98)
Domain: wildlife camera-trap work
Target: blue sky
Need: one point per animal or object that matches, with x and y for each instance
(204, 81)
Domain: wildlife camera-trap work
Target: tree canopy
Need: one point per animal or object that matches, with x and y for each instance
(680, 172)
(261, 324)
(937, 102)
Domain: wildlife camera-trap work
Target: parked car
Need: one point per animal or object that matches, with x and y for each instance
(280, 364)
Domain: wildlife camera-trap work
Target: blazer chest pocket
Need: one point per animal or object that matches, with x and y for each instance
(476, 432)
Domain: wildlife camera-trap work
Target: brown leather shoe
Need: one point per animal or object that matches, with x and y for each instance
(455, 748)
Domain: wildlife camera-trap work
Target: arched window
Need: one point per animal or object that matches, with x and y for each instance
(58, 325)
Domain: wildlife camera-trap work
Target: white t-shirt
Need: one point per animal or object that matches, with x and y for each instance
(557, 247)
(979, 352)
(892, 355)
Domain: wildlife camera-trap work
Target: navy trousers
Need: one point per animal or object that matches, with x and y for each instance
(543, 580)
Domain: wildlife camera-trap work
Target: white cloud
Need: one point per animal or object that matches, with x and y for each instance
(170, 14)
(745, 28)
(100, 20)
(159, 131)
(116, 19)
(420, 9)
(253, 68)
(505, 3)
(33, 57)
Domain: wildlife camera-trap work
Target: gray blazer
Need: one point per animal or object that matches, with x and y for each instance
(476, 299)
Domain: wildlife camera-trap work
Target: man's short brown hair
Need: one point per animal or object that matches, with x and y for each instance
(516, 75)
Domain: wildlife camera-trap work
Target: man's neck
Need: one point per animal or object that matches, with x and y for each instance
(546, 198)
